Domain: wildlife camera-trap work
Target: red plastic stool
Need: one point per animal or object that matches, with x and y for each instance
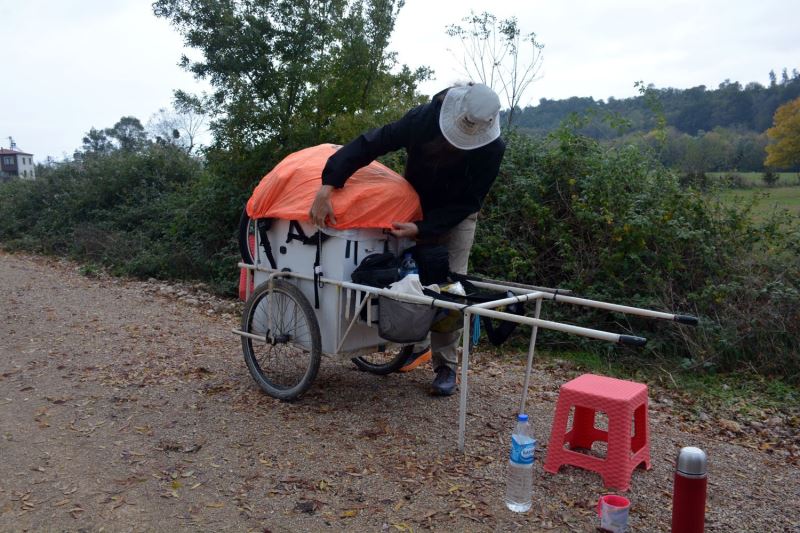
(622, 401)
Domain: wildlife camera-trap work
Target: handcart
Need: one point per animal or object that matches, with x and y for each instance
(302, 306)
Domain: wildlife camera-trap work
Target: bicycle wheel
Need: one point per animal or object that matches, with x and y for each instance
(247, 228)
(286, 362)
(383, 363)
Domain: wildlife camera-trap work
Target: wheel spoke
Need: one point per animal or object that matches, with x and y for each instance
(289, 358)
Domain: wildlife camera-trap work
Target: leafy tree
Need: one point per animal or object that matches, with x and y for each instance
(695, 115)
(97, 142)
(784, 151)
(770, 177)
(284, 72)
(129, 134)
(690, 110)
(497, 53)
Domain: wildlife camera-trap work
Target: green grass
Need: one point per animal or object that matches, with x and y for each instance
(756, 179)
(768, 199)
(743, 393)
(746, 394)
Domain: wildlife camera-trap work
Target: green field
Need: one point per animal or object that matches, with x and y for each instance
(769, 200)
(756, 179)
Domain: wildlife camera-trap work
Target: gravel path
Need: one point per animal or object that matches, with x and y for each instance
(126, 406)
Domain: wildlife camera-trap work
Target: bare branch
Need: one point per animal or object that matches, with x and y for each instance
(495, 52)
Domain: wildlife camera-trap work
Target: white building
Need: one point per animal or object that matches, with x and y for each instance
(14, 163)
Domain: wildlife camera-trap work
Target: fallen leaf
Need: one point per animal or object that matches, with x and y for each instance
(730, 425)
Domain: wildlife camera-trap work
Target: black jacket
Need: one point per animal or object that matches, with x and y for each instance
(451, 183)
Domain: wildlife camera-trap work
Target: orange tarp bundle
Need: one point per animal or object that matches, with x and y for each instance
(373, 197)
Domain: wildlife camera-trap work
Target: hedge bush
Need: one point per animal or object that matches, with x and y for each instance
(152, 212)
(605, 222)
(613, 224)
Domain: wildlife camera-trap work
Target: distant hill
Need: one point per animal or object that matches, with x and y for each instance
(690, 111)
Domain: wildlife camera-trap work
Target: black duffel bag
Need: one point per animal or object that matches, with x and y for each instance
(376, 270)
(433, 262)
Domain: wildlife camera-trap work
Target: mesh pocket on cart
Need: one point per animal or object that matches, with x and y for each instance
(403, 322)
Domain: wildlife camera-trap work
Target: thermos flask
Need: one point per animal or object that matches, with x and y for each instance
(689, 496)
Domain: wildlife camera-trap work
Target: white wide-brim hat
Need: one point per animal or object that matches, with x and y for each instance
(470, 116)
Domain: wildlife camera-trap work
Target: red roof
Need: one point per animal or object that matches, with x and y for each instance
(3, 151)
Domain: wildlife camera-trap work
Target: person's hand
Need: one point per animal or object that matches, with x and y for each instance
(322, 208)
(404, 229)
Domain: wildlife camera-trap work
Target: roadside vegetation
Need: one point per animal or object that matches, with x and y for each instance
(751, 180)
(606, 220)
(766, 201)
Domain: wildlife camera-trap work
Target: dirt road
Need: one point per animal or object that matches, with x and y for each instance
(125, 409)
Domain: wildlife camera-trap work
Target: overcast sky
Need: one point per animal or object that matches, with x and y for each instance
(69, 65)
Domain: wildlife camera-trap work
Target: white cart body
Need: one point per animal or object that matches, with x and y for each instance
(343, 332)
(340, 255)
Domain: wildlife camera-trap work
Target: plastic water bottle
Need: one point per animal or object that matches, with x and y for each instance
(519, 487)
(407, 266)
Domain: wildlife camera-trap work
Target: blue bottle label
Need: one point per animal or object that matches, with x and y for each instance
(522, 449)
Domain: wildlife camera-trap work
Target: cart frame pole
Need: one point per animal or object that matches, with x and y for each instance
(462, 407)
(529, 366)
(473, 309)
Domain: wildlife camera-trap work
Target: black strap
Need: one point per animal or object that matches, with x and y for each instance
(296, 233)
(347, 250)
(355, 253)
(317, 270)
(263, 226)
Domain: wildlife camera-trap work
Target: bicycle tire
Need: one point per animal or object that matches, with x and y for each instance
(283, 325)
(244, 234)
(382, 369)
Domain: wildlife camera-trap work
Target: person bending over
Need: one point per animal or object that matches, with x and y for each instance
(454, 153)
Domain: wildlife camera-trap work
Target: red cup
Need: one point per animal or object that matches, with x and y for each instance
(613, 512)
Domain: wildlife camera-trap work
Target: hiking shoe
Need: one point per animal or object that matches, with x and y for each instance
(415, 359)
(445, 382)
